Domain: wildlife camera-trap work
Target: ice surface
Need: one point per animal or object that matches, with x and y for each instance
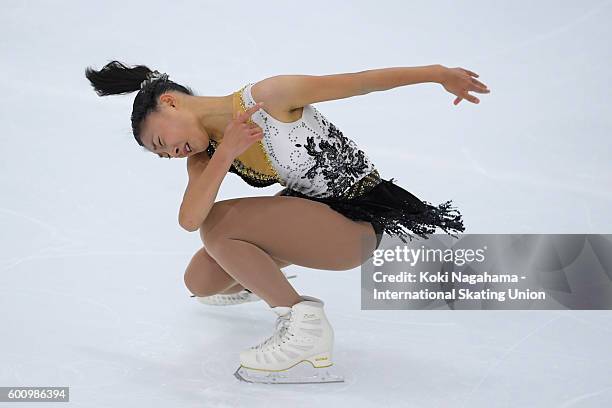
(92, 258)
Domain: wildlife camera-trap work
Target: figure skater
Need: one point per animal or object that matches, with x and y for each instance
(330, 215)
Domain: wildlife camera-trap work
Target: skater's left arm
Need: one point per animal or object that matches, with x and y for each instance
(458, 81)
(294, 91)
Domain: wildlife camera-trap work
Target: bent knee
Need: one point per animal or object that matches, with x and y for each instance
(202, 276)
(200, 283)
(218, 223)
(191, 283)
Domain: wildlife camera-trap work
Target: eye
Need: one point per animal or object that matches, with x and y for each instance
(159, 141)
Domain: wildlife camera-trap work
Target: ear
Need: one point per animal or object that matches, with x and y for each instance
(168, 99)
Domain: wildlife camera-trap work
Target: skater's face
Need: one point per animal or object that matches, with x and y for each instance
(172, 130)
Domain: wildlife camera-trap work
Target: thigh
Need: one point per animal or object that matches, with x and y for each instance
(292, 229)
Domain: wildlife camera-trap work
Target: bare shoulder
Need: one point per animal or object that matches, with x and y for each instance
(292, 92)
(267, 91)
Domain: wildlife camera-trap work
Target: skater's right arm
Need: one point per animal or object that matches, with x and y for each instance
(203, 188)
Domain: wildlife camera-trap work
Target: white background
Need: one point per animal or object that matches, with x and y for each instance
(92, 256)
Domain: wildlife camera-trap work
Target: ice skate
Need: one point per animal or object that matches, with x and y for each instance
(299, 351)
(228, 299)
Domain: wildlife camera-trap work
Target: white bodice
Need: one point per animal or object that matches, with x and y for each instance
(310, 155)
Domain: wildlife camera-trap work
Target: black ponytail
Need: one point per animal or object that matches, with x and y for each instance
(116, 78)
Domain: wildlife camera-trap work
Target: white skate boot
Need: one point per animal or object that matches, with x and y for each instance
(228, 299)
(299, 351)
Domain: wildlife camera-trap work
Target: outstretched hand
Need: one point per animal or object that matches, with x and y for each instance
(460, 81)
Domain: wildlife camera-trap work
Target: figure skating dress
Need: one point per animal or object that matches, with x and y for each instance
(314, 160)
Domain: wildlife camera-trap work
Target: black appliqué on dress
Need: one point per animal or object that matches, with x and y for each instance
(393, 210)
(340, 163)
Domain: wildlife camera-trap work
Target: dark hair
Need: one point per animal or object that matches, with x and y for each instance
(116, 78)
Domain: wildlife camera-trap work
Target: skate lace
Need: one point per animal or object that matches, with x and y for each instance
(280, 332)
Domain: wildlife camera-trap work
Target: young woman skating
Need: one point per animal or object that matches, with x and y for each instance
(331, 214)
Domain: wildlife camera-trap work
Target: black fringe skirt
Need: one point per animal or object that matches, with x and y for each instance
(391, 209)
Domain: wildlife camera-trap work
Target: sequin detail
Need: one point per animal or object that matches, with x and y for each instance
(358, 188)
(364, 185)
(249, 174)
(310, 154)
(339, 163)
(275, 177)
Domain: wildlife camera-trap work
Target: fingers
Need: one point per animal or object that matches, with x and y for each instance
(256, 130)
(477, 82)
(256, 135)
(469, 72)
(247, 113)
(479, 89)
(470, 98)
(471, 85)
(478, 86)
(466, 96)
(252, 127)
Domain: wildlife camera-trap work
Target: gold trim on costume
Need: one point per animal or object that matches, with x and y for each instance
(364, 185)
(253, 162)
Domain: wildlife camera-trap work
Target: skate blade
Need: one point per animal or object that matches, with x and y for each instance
(206, 302)
(302, 373)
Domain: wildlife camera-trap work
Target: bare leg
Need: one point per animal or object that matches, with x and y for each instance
(204, 276)
(246, 235)
(233, 289)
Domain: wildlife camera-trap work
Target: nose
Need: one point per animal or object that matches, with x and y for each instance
(177, 151)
